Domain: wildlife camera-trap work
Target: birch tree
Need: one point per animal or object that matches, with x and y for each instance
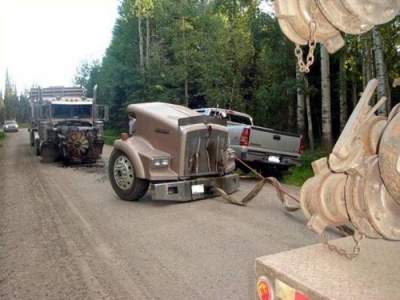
(184, 27)
(310, 125)
(143, 9)
(2, 109)
(326, 99)
(342, 90)
(300, 100)
(367, 61)
(354, 96)
(380, 66)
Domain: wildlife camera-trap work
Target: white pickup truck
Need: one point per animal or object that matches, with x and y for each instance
(258, 146)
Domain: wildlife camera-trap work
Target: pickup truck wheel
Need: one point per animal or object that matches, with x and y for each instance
(242, 167)
(123, 180)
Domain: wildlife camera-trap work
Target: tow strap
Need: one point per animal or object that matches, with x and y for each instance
(282, 193)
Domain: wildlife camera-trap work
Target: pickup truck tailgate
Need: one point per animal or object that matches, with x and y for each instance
(274, 141)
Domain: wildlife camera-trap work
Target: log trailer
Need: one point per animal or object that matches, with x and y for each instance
(357, 185)
(66, 125)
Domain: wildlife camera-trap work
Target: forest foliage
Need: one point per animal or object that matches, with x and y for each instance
(230, 54)
(12, 106)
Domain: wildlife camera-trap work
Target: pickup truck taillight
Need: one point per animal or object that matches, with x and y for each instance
(245, 137)
(301, 146)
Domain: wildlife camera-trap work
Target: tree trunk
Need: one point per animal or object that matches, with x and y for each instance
(354, 96)
(141, 58)
(291, 113)
(343, 91)
(326, 100)
(309, 116)
(364, 62)
(300, 101)
(388, 91)
(367, 62)
(185, 58)
(380, 66)
(147, 41)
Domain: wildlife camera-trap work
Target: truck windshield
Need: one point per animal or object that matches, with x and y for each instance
(239, 119)
(62, 111)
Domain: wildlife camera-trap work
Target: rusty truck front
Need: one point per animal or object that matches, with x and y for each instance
(175, 153)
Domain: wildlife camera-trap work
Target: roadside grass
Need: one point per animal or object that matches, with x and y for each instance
(110, 135)
(299, 174)
(2, 137)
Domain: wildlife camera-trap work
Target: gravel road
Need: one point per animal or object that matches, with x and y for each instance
(65, 235)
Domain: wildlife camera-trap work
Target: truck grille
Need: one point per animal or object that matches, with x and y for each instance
(205, 151)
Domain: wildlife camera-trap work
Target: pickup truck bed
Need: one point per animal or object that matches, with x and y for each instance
(265, 146)
(257, 145)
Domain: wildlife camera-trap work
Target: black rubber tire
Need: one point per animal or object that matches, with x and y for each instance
(49, 153)
(32, 138)
(139, 187)
(37, 147)
(242, 167)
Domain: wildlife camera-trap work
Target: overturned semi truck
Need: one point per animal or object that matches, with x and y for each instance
(66, 125)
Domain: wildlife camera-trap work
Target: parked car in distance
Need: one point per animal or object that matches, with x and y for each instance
(262, 148)
(10, 126)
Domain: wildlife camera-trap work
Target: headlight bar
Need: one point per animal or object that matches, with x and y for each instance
(160, 162)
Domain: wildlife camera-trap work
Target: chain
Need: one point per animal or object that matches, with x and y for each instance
(357, 238)
(304, 66)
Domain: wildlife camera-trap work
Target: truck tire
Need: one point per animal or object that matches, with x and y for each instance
(48, 152)
(123, 180)
(32, 137)
(37, 147)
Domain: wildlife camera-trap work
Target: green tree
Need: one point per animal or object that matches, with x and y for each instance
(10, 98)
(87, 76)
(2, 109)
(228, 53)
(23, 113)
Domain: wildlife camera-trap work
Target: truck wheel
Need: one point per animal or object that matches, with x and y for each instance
(49, 153)
(123, 180)
(37, 147)
(242, 167)
(32, 138)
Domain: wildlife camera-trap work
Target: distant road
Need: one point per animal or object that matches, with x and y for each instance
(65, 235)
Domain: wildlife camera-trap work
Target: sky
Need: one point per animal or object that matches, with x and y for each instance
(43, 42)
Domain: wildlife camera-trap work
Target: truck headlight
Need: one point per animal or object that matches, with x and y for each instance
(162, 162)
(231, 154)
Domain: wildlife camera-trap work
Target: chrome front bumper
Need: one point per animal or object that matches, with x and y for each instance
(182, 191)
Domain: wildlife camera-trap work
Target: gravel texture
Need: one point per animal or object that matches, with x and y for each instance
(64, 234)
